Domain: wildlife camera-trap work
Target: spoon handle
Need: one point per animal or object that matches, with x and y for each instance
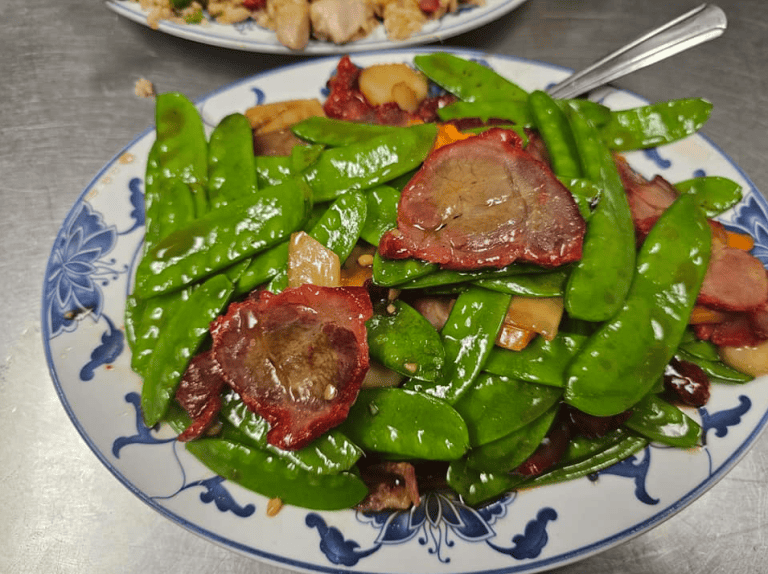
(701, 24)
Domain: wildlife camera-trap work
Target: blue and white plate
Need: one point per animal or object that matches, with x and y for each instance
(249, 36)
(86, 283)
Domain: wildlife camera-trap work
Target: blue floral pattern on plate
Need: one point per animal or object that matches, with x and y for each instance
(84, 290)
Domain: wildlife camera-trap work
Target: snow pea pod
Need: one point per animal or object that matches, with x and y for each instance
(599, 282)
(468, 337)
(406, 424)
(476, 486)
(440, 277)
(337, 133)
(551, 122)
(262, 267)
(510, 451)
(273, 169)
(269, 475)
(714, 194)
(517, 112)
(369, 163)
(401, 339)
(603, 458)
(714, 368)
(493, 406)
(182, 147)
(655, 124)
(381, 215)
(394, 272)
(330, 453)
(187, 328)
(585, 193)
(542, 361)
(546, 284)
(338, 228)
(660, 421)
(231, 163)
(222, 237)
(469, 81)
(627, 355)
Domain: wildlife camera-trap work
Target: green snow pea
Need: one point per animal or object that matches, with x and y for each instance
(440, 277)
(338, 133)
(622, 360)
(273, 169)
(231, 163)
(505, 454)
(304, 156)
(406, 424)
(542, 361)
(330, 453)
(262, 267)
(400, 338)
(476, 486)
(381, 214)
(494, 406)
(339, 226)
(599, 282)
(182, 147)
(714, 368)
(545, 284)
(269, 475)
(186, 329)
(655, 124)
(551, 122)
(469, 81)
(660, 421)
(517, 112)
(168, 204)
(468, 337)
(604, 457)
(585, 193)
(394, 272)
(369, 163)
(714, 194)
(222, 237)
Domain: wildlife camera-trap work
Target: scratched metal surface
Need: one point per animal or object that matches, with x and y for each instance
(67, 105)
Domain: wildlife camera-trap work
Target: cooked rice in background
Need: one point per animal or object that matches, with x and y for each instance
(295, 21)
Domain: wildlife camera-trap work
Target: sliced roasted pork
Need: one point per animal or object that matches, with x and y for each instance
(485, 202)
(296, 358)
(199, 394)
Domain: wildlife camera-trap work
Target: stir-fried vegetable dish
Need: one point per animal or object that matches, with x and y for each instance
(433, 279)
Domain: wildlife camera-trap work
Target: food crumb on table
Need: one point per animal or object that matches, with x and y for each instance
(144, 88)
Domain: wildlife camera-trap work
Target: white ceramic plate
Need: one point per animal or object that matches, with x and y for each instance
(90, 268)
(248, 36)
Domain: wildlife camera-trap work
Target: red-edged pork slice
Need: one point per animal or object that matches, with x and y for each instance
(296, 358)
(391, 485)
(485, 202)
(647, 199)
(199, 394)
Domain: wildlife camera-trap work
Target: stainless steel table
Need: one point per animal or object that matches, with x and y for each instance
(67, 105)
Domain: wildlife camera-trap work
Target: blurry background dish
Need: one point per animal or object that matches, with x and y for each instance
(247, 35)
(531, 531)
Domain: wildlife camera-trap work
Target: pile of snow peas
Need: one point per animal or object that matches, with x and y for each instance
(218, 223)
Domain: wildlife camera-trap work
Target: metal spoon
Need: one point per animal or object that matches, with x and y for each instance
(701, 24)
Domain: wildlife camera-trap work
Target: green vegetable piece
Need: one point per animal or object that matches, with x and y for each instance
(655, 124)
(714, 194)
(469, 81)
(339, 133)
(468, 337)
(494, 406)
(182, 148)
(231, 164)
(510, 451)
(517, 112)
(401, 339)
(626, 356)
(585, 193)
(598, 114)
(599, 282)
(612, 453)
(381, 214)
(406, 424)
(660, 421)
(392, 272)
(304, 156)
(181, 337)
(269, 475)
(370, 163)
(222, 237)
(263, 267)
(580, 448)
(715, 369)
(552, 124)
(542, 361)
(476, 486)
(330, 453)
(549, 284)
(339, 227)
(440, 277)
(273, 170)
(168, 205)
